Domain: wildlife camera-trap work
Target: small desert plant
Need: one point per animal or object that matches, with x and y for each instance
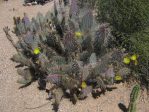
(133, 98)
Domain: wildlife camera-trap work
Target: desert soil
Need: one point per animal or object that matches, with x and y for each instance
(13, 99)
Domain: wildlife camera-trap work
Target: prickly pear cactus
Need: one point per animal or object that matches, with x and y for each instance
(73, 8)
(26, 76)
(65, 49)
(87, 21)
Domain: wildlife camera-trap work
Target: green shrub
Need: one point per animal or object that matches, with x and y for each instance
(140, 41)
(126, 16)
(130, 21)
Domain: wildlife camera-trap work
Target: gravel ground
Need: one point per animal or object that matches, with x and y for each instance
(14, 100)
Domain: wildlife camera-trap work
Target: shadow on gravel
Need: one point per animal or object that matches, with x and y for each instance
(122, 107)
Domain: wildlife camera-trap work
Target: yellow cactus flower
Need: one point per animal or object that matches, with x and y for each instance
(136, 62)
(78, 34)
(126, 60)
(133, 57)
(36, 51)
(118, 77)
(83, 85)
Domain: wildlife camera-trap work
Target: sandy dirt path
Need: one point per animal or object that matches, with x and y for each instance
(14, 100)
